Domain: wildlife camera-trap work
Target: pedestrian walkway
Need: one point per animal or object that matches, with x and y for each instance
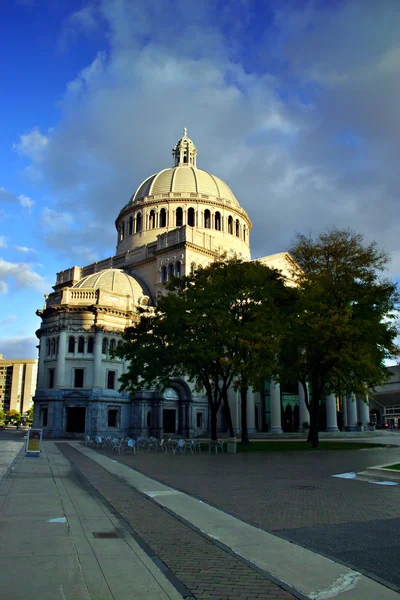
(59, 541)
(308, 574)
(8, 452)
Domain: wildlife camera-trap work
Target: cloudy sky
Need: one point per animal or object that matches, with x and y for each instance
(293, 103)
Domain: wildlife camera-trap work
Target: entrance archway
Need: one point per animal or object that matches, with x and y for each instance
(76, 419)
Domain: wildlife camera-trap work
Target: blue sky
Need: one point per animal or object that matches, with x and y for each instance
(293, 103)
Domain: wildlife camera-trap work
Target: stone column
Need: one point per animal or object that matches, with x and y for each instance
(233, 400)
(97, 361)
(41, 379)
(276, 416)
(363, 411)
(251, 425)
(304, 415)
(351, 413)
(331, 413)
(60, 365)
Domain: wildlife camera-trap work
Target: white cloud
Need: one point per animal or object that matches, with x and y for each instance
(88, 75)
(31, 144)
(19, 347)
(22, 276)
(53, 220)
(3, 241)
(25, 201)
(24, 249)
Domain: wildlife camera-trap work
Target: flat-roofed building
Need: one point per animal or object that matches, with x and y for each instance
(17, 383)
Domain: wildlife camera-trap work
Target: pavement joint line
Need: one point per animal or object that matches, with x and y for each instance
(61, 484)
(178, 585)
(279, 582)
(287, 587)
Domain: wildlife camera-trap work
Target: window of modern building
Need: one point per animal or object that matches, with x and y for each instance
(218, 221)
(71, 344)
(104, 347)
(113, 417)
(207, 219)
(81, 345)
(163, 217)
(199, 420)
(179, 217)
(191, 217)
(51, 378)
(152, 219)
(111, 377)
(138, 222)
(90, 345)
(78, 378)
(230, 224)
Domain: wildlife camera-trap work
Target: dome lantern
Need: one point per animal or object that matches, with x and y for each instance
(184, 152)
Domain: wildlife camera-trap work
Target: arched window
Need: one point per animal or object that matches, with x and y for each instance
(119, 345)
(244, 233)
(237, 228)
(90, 345)
(120, 236)
(48, 347)
(152, 219)
(81, 345)
(52, 347)
(163, 274)
(57, 342)
(207, 219)
(178, 268)
(191, 217)
(138, 222)
(112, 344)
(122, 230)
(230, 224)
(218, 221)
(179, 217)
(163, 217)
(192, 268)
(130, 230)
(71, 344)
(170, 270)
(104, 348)
(148, 419)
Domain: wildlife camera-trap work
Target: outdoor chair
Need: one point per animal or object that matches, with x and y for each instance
(131, 445)
(170, 445)
(116, 445)
(180, 447)
(196, 445)
(98, 441)
(88, 440)
(188, 445)
(215, 446)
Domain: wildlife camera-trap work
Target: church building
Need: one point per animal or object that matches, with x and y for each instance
(177, 220)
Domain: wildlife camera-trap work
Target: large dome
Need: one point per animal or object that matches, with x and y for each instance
(186, 180)
(115, 280)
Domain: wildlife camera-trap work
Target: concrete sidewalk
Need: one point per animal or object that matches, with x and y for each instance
(47, 524)
(311, 574)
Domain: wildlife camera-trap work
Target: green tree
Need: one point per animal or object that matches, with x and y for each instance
(13, 416)
(343, 325)
(216, 326)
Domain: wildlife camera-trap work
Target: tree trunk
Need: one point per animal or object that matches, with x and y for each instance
(228, 412)
(214, 412)
(243, 397)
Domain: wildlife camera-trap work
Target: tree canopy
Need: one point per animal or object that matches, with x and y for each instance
(343, 327)
(219, 326)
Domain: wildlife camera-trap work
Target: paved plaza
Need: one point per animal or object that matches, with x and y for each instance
(197, 526)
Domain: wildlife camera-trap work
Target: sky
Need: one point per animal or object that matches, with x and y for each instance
(293, 103)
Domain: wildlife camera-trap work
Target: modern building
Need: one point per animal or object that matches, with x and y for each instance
(17, 384)
(178, 219)
(385, 400)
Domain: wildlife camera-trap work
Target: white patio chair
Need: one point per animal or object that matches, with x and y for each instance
(87, 440)
(188, 445)
(196, 445)
(131, 445)
(170, 445)
(180, 447)
(116, 445)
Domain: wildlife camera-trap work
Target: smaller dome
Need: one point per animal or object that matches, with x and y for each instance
(115, 280)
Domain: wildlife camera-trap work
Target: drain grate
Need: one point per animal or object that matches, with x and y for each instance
(304, 487)
(106, 535)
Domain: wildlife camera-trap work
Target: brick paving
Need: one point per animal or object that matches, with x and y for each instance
(208, 571)
(278, 491)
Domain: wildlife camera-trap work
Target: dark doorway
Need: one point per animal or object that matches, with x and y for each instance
(76, 419)
(169, 420)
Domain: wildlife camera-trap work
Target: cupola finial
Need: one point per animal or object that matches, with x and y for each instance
(184, 152)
